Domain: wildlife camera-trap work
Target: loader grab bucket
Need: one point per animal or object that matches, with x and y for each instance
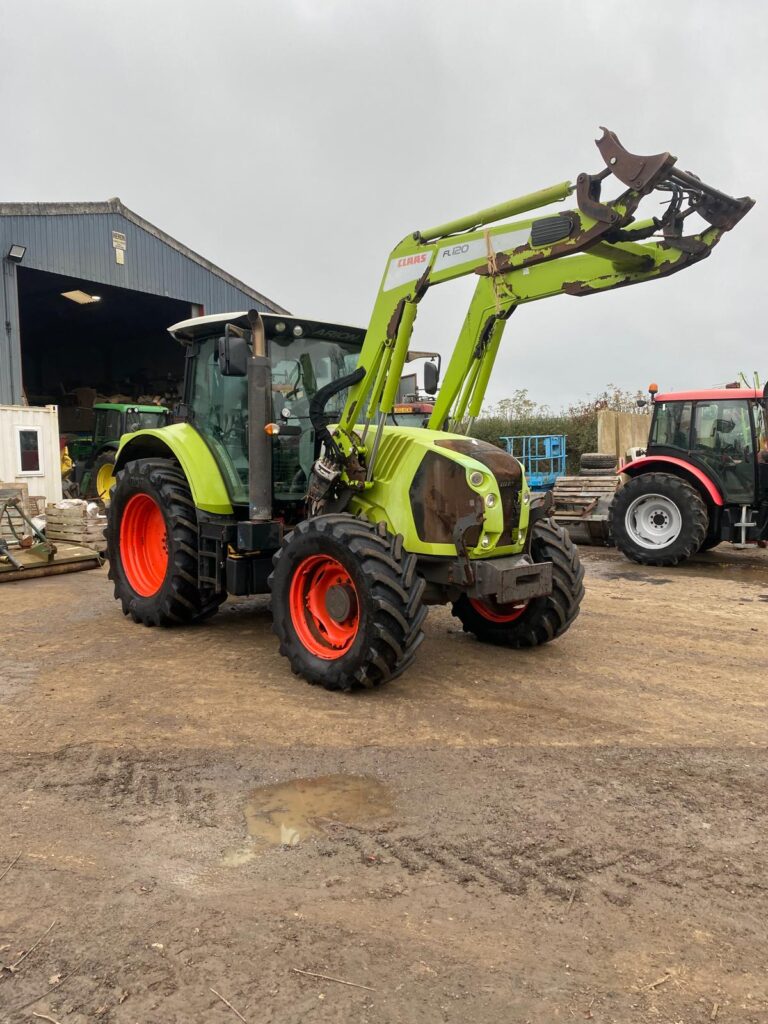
(638, 172)
(644, 174)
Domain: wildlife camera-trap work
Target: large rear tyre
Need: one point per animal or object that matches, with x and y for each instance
(103, 475)
(709, 543)
(541, 619)
(658, 519)
(152, 546)
(346, 602)
(713, 537)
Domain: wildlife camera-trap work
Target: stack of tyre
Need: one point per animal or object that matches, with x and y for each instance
(598, 464)
(603, 467)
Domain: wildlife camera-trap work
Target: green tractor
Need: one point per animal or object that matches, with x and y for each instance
(287, 474)
(94, 456)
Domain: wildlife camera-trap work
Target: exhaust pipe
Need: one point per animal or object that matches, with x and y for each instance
(259, 414)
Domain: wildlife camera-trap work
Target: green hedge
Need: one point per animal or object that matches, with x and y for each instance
(520, 415)
(580, 431)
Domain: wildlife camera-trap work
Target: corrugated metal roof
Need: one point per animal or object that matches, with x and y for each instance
(76, 239)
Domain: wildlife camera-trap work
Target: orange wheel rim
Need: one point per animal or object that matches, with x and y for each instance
(143, 545)
(324, 608)
(501, 613)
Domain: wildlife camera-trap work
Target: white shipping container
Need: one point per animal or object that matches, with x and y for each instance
(29, 448)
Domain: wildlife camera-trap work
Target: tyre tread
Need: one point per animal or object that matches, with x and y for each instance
(182, 600)
(545, 618)
(691, 504)
(394, 591)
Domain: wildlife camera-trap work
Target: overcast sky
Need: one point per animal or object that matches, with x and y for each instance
(294, 142)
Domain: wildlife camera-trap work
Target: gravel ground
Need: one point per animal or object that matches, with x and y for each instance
(577, 832)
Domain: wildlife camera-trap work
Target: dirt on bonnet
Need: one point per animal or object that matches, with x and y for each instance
(574, 833)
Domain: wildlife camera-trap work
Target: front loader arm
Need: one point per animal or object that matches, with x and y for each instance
(595, 246)
(603, 267)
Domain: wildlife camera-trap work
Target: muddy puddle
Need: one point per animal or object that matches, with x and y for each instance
(289, 812)
(753, 571)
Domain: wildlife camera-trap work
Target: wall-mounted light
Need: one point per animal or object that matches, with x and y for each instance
(16, 253)
(81, 297)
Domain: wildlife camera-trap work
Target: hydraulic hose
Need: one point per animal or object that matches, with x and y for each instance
(321, 398)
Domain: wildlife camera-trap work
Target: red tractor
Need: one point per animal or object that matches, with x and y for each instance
(703, 478)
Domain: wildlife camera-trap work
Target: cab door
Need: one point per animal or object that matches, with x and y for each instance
(217, 406)
(723, 441)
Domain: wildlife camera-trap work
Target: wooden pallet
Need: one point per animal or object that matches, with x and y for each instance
(579, 496)
(581, 506)
(75, 526)
(93, 535)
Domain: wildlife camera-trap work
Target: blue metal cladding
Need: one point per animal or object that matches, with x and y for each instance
(80, 245)
(76, 240)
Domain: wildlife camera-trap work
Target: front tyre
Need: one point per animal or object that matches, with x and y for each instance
(152, 546)
(658, 519)
(534, 622)
(346, 602)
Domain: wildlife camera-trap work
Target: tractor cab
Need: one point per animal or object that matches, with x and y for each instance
(719, 432)
(304, 355)
(702, 480)
(412, 414)
(95, 455)
(113, 419)
(414, 406)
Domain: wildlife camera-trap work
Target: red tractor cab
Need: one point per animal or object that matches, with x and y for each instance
(702, 480)
(412, 414)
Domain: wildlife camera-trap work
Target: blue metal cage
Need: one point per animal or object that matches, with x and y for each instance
(542, 455)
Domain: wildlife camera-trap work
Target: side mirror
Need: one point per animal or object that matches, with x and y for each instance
(233, 354)
(431, 378)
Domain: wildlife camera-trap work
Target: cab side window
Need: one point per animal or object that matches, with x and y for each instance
(672, 425)
(723, 428)
(108, 426)
(723, 440)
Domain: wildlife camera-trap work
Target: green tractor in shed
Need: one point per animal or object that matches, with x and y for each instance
(94, 456)
(288, 476)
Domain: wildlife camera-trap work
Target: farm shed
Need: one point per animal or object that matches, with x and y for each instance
(88, 290)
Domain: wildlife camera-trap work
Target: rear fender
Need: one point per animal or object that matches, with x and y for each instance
(181, 442)
(681, 468)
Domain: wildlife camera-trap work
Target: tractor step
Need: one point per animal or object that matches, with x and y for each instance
(210, 557)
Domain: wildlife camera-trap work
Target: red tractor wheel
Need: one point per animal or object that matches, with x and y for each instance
(324, 606)
(492, 611)
(152, 545)
(144, 544)
(346, 602)
(534, 622)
